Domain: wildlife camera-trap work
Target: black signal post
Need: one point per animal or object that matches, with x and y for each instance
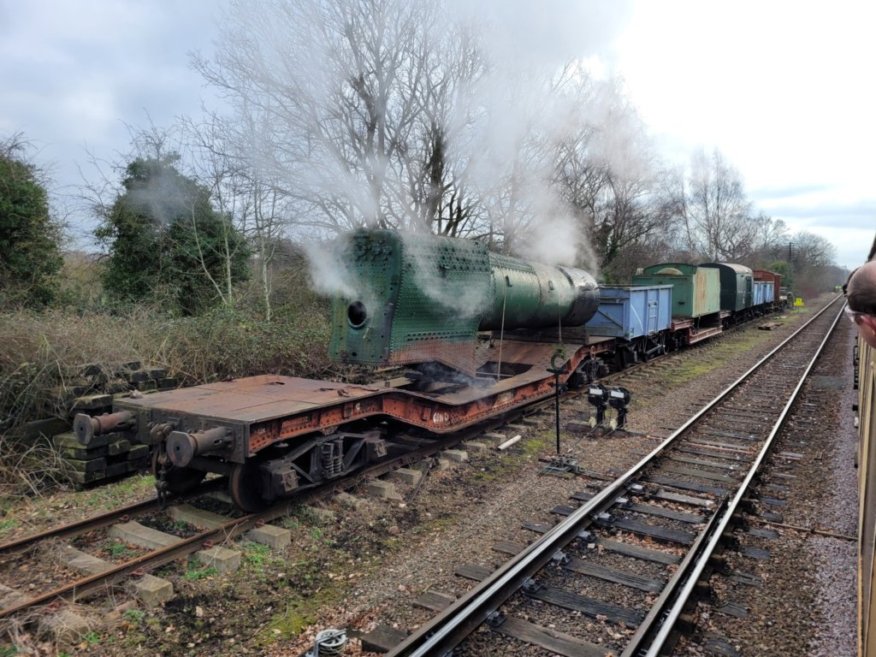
(556, 370)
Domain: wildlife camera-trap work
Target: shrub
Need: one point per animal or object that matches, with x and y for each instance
(43, 354)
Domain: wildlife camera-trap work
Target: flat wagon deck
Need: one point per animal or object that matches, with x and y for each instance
(239, 427)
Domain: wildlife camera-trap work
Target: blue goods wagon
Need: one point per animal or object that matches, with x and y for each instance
(763, 292)
(769, 294)
(774, 279)
(757, 293)
(632, 311)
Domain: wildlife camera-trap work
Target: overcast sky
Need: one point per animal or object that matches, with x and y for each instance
(785, 90)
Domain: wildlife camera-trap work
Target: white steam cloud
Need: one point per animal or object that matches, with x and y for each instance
(299, 83)
(328, 270)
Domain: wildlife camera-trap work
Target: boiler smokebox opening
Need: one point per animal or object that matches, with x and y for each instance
(357, 314)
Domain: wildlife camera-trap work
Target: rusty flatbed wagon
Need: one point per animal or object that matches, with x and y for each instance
(320, 427)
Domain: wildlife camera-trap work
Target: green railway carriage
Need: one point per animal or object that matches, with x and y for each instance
(696, 291)
(737, 283)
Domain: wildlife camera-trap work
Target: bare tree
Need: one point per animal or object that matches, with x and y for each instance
(812, 263)
(810, 250)
(441, 198)
(354, 98)
(718, 209)
(605, 168)
(238, 187)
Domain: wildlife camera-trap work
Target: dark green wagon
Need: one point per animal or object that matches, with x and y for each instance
(737, 283)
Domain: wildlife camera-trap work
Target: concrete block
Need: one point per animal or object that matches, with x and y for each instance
(517, 427)
(196, 517)
(494, 435)
(383, 490)
(153, 591)
(407, 476)
(276, 538)
(82, 561)
(134, 533)
(442, 464)
(9, 597)
(82, 453)
(116, 469)
(351, 501)
(157, 372)
(382, 638)
(48, 427)
(321, 515)
(222, 559)
(92, 402)
(475, 446)
(455, 455)
(434, 601)
(91, 465)
(138, 452)
(530, 422)
(65, 627)
(82, 478)
(71, 439)
(139, 376)
(116, 386)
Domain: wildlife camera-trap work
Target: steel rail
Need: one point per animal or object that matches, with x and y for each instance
(99, 521)
(671, 615)
(452, 625)
(233, 528)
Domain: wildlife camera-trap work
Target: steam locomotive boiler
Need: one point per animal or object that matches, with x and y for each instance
(476, 333)
(423, 299)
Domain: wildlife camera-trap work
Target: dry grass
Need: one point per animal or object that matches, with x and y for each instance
(42, 356)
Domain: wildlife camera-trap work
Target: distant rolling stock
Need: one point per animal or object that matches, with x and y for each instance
(736, 285)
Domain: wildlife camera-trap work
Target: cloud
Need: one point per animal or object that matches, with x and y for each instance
(74, 74)
(778, 192)
(852, 216)
(548, 32)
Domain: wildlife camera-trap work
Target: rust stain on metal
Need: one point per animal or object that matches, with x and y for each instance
(271, 408)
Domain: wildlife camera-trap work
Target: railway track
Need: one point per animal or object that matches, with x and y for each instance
(615, 577)
(406, 450)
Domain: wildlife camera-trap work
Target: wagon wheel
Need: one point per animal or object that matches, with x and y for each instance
(244, 487)
(176, 480)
